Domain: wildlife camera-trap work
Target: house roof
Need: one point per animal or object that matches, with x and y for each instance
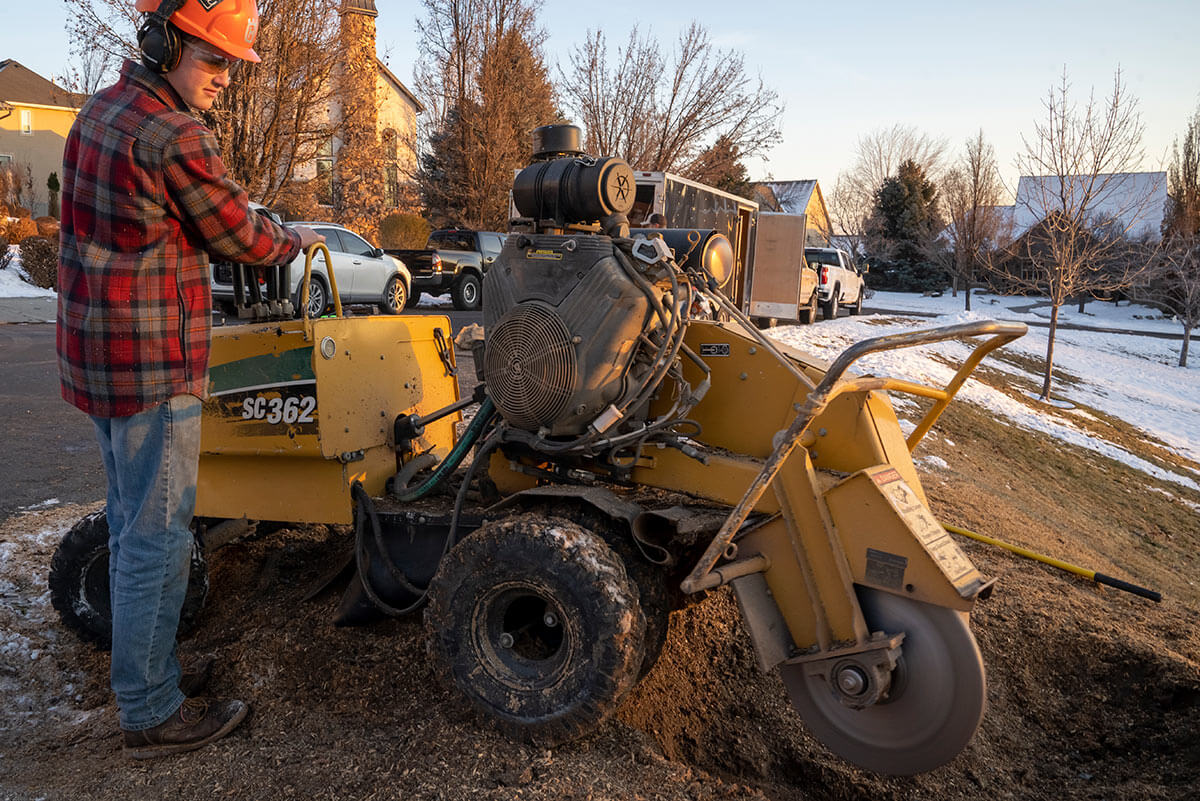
(793, 196)
(21, 85)
(400, 85)
(1137, 199)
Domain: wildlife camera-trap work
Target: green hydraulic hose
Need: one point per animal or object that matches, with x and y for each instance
(482, 417)
(1091, 575)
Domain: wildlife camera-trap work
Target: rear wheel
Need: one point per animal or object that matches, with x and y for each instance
(79, 582)
(537, 623)
(936, 701)
(466, 292)
(395, 296)
(829, 309)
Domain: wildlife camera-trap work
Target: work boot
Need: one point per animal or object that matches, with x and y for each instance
(196, 675)
(196, 723)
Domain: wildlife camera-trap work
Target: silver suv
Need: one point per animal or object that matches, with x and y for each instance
(364, 273)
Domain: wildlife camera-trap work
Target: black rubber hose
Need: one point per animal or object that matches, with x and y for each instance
(366, 514)
(483, 416)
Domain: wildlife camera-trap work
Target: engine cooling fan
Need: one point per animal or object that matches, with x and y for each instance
(531, 366)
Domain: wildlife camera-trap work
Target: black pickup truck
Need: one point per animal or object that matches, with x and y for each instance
(453, 261)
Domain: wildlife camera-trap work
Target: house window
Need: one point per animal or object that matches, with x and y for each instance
(27, 121)
(393, 186)
(325, 174)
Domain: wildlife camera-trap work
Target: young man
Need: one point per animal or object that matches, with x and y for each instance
(146, 200)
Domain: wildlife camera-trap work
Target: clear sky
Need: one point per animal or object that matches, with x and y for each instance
(844, 69)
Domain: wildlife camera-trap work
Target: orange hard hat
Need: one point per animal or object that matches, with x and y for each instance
(231, 26)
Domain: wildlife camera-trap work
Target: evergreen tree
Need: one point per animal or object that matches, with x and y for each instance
(484, 76)
(1183, 184)
(901, 231)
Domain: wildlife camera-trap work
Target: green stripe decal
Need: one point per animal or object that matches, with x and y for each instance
(291, 366)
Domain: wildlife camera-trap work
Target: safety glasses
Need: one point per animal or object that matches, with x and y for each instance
(209, 61)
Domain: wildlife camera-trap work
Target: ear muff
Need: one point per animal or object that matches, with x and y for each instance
(161, 47)
(159, 40)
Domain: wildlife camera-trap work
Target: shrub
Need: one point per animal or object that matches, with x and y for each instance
(39, 257)
(5, 256)
(47, 227)
(21, 212)
(402, 230)
(20, 230)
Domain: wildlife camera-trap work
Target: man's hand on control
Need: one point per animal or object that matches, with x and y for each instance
(307, 236)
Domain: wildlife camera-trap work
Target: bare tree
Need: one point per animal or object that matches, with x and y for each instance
(971, 194)
(89, 71)
(1174, 280)
(1173, 284)
(273, 117)
(661, 115)
(1086, 204)
(878, 155)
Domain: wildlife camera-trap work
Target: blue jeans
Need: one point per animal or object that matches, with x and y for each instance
(151, 459)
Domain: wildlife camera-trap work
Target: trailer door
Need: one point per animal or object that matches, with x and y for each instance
(778, 266)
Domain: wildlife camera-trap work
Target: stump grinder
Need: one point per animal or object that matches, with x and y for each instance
(624, 457)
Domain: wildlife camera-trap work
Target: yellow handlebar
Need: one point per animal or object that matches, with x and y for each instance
(337, 298)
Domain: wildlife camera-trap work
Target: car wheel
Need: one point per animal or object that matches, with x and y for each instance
(857, 307)
(466, 292)
(808, 314)
(318, 298)
(395, 296)
(829, 309)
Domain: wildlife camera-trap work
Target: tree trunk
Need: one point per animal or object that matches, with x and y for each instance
(954, 287)
(1045, 396)
(967, 290)
(1187, 335)
(1082, 302)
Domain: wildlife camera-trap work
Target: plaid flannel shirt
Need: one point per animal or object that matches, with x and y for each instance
(145, 200)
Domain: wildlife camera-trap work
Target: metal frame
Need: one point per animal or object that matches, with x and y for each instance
(831, 387)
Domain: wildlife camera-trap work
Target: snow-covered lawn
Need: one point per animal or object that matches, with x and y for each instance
(1130, 377)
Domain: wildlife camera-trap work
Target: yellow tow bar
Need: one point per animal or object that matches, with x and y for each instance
(1091, 575)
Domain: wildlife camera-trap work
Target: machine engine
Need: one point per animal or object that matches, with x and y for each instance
(583, 320)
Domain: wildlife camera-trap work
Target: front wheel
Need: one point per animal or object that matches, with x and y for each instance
(857, 307)
(79, 582)
(395, 296)
(537, 623)
(936, 701)
(466, 292)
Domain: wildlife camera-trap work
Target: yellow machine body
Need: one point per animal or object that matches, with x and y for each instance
(300, 410)
(846, 505)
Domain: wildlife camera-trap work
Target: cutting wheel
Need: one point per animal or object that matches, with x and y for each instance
(936, 702)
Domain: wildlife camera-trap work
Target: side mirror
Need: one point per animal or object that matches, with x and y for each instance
(865, 267)
(377, 253)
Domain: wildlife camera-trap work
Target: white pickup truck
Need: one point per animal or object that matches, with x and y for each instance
(841, 281)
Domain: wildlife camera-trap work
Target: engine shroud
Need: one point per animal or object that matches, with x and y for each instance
(563, 320)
